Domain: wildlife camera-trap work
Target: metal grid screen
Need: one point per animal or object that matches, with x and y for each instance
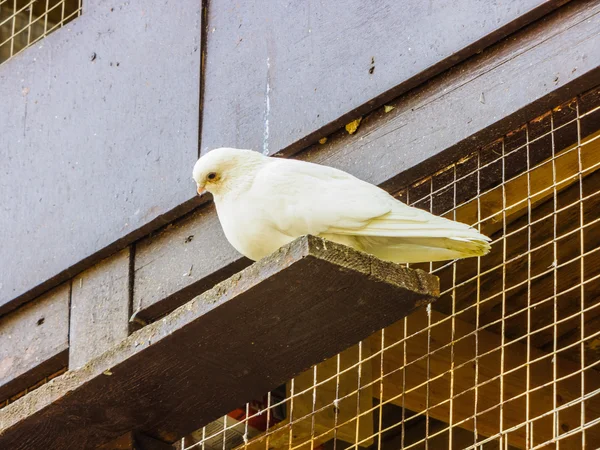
(24, 22)
(508, 357)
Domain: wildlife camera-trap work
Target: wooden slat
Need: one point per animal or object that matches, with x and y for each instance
(488, 397)
(99, 309)
(233, 343)
(34, 342)
(190, 256)
(472, 104)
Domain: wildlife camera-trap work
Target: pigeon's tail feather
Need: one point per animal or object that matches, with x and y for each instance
(424, 249)
(406, 235)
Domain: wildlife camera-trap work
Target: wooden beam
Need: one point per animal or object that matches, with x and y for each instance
(489, 367)
(235, 342)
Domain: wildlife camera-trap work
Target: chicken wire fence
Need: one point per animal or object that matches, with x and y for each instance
(508, 357)
(25, 22)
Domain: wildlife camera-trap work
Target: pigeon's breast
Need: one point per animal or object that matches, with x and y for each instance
(249, 230)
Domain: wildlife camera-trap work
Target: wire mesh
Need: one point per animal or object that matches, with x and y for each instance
(25, 22)
(509, 356)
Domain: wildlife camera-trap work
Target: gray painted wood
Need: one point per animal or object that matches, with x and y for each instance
(34, 342)
(521, 77)
(282, 75)
(102, 117)
(538, 68)
(100, 309)
(99, 134)
(163, 379)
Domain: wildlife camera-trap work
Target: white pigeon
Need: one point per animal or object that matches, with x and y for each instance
(264, 203)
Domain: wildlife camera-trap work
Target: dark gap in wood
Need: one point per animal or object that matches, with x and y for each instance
(203, 42)
(133, 323)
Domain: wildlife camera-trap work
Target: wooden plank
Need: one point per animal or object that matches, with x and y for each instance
(474, 103)
(100, 309)
(393, 148)
(64, 103)
(34, 342)
(189, 256)
(489, 367)
(240, 339)
(345, 61)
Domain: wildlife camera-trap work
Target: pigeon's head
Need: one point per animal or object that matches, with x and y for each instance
(225, 169)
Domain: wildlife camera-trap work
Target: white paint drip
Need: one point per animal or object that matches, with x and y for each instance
(267, 111)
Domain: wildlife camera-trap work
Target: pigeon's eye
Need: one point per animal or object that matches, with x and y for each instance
(212, 176)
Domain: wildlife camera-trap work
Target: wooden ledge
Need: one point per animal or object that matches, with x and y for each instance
(247, 335)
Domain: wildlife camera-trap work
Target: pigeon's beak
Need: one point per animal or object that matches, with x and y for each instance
(201, 191)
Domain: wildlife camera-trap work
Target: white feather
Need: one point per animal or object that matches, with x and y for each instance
(264, 203)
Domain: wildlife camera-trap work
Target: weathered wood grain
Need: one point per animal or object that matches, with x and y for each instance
(100, 309)
(474, 103)
(237, 341)
(34, 341)
(135, 441)
(311, 67)
(99, 134)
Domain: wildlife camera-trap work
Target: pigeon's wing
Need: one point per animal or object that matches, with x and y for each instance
(303, 198)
